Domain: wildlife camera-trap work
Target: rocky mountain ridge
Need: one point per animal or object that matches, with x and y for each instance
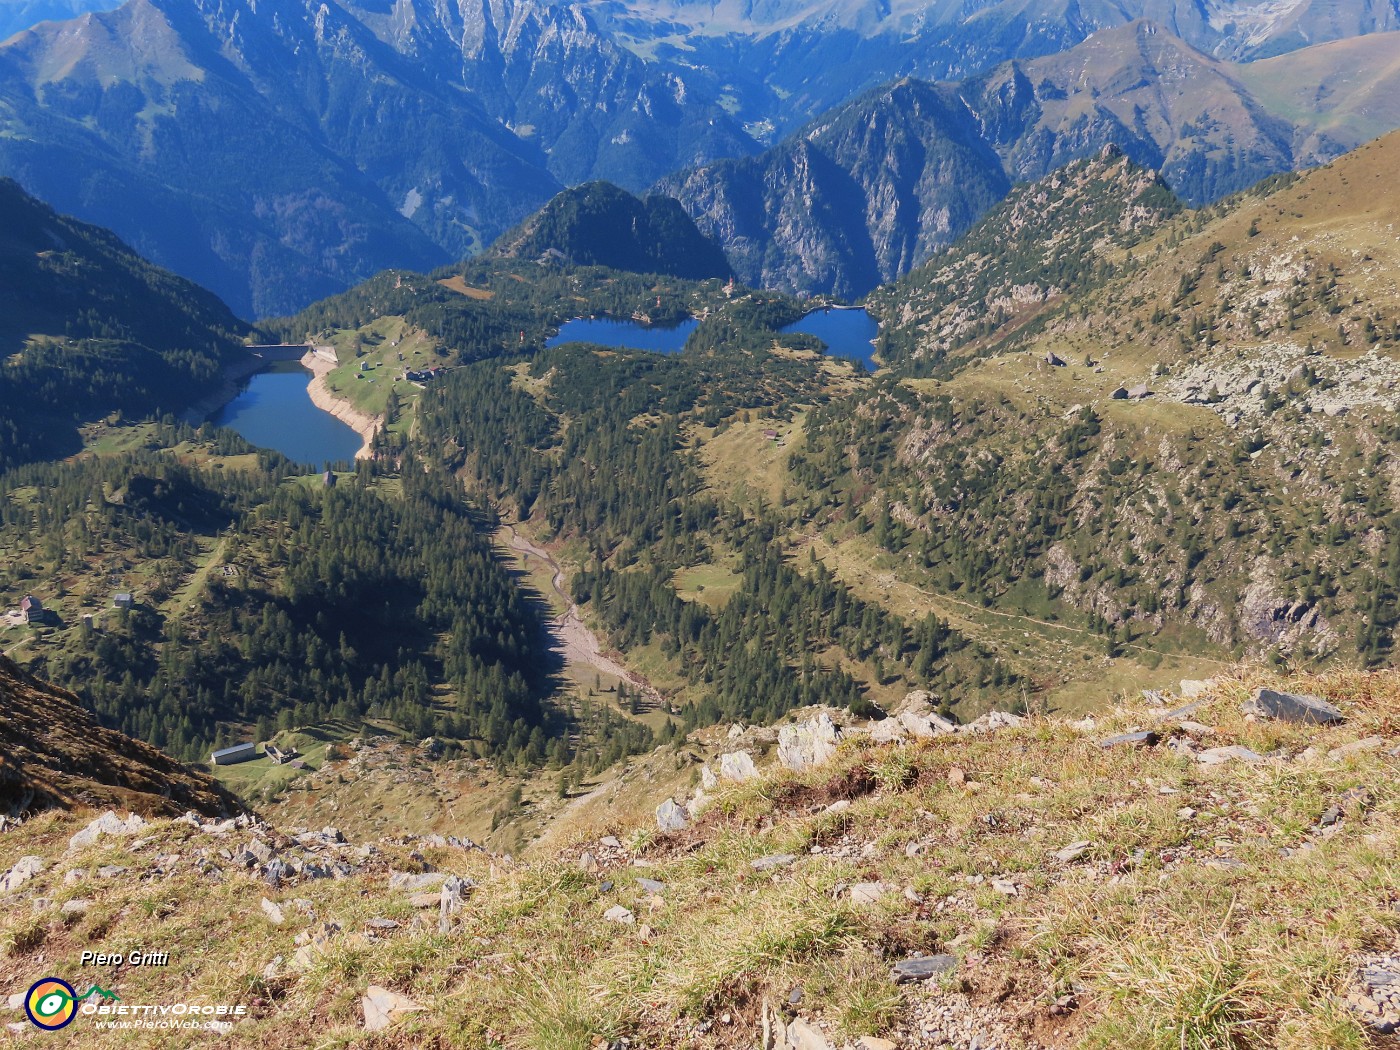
(871, 189)
(784, 63)
(254, 155)
(1097, 395)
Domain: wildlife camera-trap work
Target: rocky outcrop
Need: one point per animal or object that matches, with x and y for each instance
(1292, 707)
(808, 743)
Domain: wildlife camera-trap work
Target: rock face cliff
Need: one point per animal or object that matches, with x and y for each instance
(54, 754)
(867, 192)
(854, 199)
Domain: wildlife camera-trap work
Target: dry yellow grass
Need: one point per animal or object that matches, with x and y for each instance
(1234, 926)
(459, 285)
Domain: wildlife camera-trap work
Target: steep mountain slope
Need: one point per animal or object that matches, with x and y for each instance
(1169, 107)
(856, 198)
(1339, 95)
(1049, 239)
(1198, 439)
(277, 160)
(599, 224)
(885, 195)
(53, 753)
(87, 327)
(1218, 880)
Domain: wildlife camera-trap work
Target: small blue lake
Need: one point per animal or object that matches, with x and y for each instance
(846, 333)
(604, 331)
(275, 411)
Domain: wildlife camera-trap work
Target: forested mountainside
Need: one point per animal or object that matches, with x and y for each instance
(310, 603)
(279, 160)
(1144, 433)
(268, 601)
(87, 328)
(1116, 440)
(869, 190)
(596, 451)
(54, 754)
(599, 224)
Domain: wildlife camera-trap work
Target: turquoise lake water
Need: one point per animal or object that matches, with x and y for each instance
(275, 411)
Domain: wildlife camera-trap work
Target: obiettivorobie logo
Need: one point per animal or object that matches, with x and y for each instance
(52, 1003)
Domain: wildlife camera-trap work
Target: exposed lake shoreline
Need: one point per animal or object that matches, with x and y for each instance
(317, 363)
(318, 360)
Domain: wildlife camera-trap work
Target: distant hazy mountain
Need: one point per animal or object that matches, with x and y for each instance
(1340, 95)
(16, 15)
(789, 59)
(1168, 106)
(280, 157)
(905, 169)
(599, 224)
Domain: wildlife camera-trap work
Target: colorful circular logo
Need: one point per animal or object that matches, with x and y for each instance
(51, 1003)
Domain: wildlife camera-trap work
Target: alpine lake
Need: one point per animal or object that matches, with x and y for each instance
(274, 410)
(847, 332)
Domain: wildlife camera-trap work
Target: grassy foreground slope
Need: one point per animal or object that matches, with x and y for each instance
(1201, 905)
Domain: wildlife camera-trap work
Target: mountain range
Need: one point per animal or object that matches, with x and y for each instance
(863, 193)
(788, 60)
(280, 157)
